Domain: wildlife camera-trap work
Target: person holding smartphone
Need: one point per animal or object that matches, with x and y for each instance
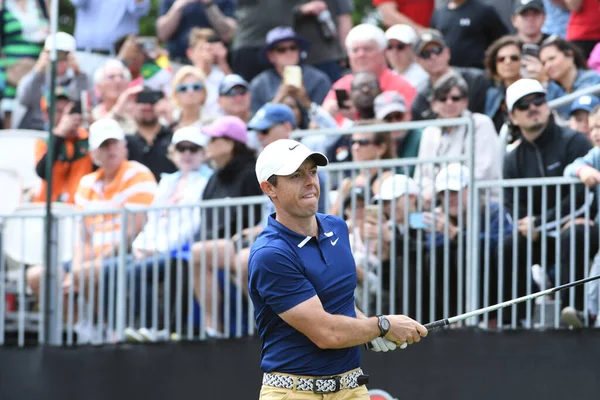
(285, 51)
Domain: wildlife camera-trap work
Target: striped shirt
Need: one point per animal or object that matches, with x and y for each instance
(16, 44)
(133, 186)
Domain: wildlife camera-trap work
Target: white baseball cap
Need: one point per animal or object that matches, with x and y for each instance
(402, 33)
(395, 187)
(454, 177)
(103, 130)
(284, 157)
(190, 134)
(64, 42)
(520, 89)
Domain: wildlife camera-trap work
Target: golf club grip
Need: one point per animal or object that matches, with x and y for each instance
(436, 324)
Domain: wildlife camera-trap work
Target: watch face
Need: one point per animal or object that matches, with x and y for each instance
(385, 324)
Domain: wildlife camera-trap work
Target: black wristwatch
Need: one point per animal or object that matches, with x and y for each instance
(384, 325)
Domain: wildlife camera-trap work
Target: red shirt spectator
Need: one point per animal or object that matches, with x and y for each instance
(366, 45)
(416, 13)
(583, 28)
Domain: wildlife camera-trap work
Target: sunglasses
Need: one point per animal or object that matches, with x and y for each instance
(394, 117)
(284, 49)
(437, 50)
(363, 142)
(455, 99)
(189, 87)
(523, 105)
(400, 46)
(235, 91)
(192, 148)
(512, 57)
(373, 85)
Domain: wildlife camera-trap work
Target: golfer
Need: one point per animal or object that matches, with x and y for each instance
(302, 278)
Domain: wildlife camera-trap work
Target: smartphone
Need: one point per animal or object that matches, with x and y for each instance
(530, 49)
(149, 96)
(148, 43)
(77, 109)
(416, 221)
(292, 75)
(341, 96)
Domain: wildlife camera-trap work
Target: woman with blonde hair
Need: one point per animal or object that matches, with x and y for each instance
(188, 97)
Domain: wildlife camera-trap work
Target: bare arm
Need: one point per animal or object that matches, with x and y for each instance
(224, 25)
(391, 16)
(573, 5)
(167, 24)
(329, 331)
(344, 26)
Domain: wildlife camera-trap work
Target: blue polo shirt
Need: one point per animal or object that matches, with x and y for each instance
(286, 269)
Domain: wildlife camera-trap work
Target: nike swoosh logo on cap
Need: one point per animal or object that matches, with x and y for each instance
(292, 148)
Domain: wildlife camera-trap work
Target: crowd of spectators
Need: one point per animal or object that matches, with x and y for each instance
(180, 117)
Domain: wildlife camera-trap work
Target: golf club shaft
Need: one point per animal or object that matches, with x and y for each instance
(444, 322)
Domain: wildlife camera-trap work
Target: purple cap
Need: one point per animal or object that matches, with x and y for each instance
(228, 126)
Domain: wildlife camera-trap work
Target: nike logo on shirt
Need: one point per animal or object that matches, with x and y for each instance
(334, 242)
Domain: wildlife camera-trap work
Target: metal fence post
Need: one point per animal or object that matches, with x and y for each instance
(121, 314)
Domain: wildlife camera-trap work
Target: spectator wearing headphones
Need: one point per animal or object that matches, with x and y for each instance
(285, 48)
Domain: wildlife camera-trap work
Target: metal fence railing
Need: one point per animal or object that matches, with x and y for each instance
(111, 280)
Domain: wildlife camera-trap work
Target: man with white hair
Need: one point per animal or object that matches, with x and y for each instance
(401, 57)
(366, 46)
(111, 81)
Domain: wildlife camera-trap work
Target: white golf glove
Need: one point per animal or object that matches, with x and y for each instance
(384, 345)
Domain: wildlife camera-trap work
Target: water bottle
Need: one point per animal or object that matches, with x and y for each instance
(328, 28)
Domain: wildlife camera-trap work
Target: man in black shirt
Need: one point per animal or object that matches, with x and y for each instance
(528, 18)
(434, 56)
(546, 149)
(150, 143)
(469, 28)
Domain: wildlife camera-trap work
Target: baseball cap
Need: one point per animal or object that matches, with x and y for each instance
(230, 81)
(272, 114)
(64, 42)
(520, 89)
(402, 33)
(387, 103)
(428, 36)
(524, 5)
(283, 157)
(454, 177)
(190, 134)
(228, 126)
(355, 191)
(396, 186)
(103, 130)
(281, 34)
(585, 103)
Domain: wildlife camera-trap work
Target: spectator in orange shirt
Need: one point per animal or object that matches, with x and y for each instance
(416, 13)
(71, 160)
(366, 45)
(116, 184)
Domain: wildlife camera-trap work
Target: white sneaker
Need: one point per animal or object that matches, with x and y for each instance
(132, 335)
(147, 334)
(572, 317)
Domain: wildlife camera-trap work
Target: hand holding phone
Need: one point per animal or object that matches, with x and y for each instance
(416, 220)
(342, 97)
(292, 75)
